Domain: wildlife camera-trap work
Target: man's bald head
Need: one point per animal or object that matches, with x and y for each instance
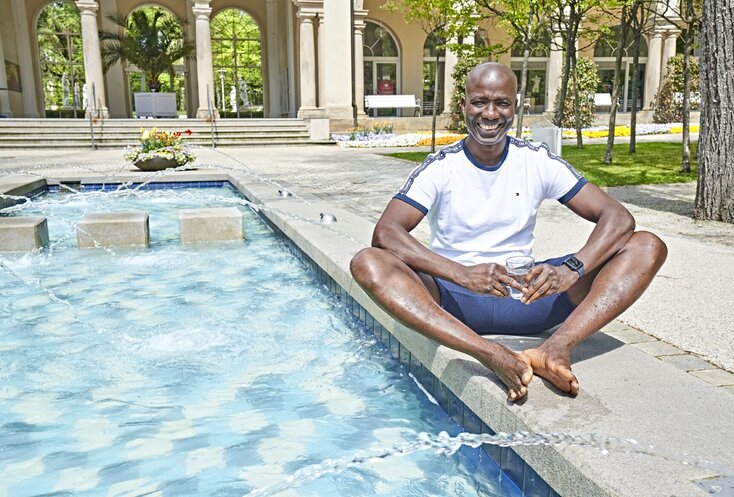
(493, 73)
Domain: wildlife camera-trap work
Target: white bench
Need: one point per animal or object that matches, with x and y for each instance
(392, 102)
(602, 100)
(694, 98)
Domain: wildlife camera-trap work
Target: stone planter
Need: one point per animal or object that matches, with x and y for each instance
(156, 164)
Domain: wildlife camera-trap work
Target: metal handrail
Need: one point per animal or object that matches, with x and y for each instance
(211, 113)
(90, 111)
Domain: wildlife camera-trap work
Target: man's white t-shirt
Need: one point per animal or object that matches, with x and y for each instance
(481, 214)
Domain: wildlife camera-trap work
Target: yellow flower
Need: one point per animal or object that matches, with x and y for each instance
(145, 134)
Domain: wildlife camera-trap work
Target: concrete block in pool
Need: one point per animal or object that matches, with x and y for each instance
(210, 225)
(112, 229)
(23, 234)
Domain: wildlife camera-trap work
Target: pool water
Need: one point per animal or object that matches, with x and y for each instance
(206, 370)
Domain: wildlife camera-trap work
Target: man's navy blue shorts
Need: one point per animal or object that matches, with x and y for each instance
(489, 315)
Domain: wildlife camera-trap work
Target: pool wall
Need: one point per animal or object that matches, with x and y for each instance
(625, 392)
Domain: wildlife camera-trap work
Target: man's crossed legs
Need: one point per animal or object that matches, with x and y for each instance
(599, 297)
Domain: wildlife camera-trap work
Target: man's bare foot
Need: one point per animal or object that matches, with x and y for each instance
(554, 365)
(512, 370)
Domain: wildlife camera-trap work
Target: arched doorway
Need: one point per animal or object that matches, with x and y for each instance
(150, 42)
(60, 50)
(237, 61)
(381, 64)
(430, 85)
(605, 52)
(536, 89)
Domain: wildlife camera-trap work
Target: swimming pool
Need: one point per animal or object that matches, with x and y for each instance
(199, 370)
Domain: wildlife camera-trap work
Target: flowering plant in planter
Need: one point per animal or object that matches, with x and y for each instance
(156, 144)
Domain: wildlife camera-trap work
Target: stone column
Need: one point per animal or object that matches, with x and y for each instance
(338, 73)
(116, 78)
(4, 96)
(359, 26)
(669, 45)
(450, 60)
(93, 56)
(204, 68)
(31, 107)
(652, 69)
(308, 64)
(320, 62)
(553, 73)
(273, 74)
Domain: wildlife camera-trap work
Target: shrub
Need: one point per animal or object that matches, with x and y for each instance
(669, 101)
(588, 81)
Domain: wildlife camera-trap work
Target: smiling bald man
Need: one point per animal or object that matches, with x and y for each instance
(481, 196)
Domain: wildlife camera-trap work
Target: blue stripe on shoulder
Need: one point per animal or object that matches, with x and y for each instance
(544, 146)
(573, 191)
(438, 156)
(412, 202)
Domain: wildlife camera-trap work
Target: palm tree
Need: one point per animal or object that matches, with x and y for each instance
(151, 39)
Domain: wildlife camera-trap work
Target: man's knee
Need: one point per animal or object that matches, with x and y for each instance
(365, 265)
(649, 247)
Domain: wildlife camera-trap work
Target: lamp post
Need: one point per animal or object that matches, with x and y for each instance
(221, 79)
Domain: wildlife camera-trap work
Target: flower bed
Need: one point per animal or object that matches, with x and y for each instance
(642, 129)
(160, 144)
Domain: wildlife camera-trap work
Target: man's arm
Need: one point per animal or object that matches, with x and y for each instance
(614, 227)
(392, 233)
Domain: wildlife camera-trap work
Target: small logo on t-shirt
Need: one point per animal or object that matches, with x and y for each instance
(517, 194)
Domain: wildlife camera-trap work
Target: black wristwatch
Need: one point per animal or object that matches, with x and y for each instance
(575, 265)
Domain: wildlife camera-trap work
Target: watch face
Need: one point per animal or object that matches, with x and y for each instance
(573, 263)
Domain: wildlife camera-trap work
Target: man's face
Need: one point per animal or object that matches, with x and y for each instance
(489, 105)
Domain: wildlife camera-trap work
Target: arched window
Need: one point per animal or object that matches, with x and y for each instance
(151, 45)
(430, 53)
(62, 60)
(381, 64)
(237, 60)
(605, 52)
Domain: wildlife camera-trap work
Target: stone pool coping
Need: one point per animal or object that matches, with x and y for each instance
(630, 386)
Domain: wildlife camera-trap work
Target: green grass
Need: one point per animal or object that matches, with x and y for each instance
(653, 163)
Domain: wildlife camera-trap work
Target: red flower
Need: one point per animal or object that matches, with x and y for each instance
(188, 131)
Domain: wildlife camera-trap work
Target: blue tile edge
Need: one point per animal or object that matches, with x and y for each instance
(516, 477)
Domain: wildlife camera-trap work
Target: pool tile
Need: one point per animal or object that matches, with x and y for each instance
(533, 484)
(76, 479)
(471, 422)
(513, 466)
(404, 357)
(144, 448)
(456, 407)
(202, 459)
(509, 488)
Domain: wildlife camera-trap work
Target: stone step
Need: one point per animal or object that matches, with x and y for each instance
(33, 133)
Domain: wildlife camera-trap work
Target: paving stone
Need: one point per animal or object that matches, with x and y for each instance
(616, 326)
(23, 234)
(658, 348)
(686, 362)
(213, 224)
(629, 335)
(716, 377)
(110, 229)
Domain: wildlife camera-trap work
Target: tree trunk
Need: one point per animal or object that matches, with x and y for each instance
(635, 75)
(570, 48)
(715, 191)
(576, 104)
(524, 76)
(435, 103)
(685, 164)
(617, 87)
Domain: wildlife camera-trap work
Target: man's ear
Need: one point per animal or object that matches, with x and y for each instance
(463, 103)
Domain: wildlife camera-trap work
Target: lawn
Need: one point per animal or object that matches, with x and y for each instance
(653, 163)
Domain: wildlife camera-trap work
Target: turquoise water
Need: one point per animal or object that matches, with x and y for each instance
(206, 370)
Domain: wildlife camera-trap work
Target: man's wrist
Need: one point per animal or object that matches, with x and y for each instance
(575, 264)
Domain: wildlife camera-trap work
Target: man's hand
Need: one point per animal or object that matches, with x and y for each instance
(491, 279)
(544, 279)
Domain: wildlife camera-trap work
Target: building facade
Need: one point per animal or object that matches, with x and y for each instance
(310, 53)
